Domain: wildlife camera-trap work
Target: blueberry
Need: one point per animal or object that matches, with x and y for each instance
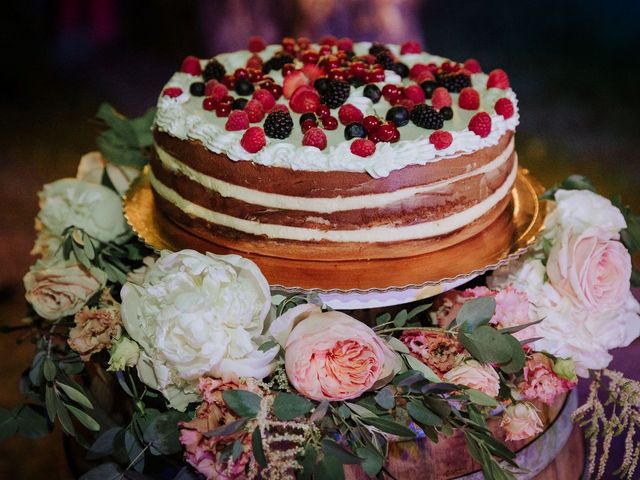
(244, 87)
(428, 86)
(307, 116)
(355, 82)
(446, 113)
(401, 69)
(197, 89)
(354, 130)
(372, 92)
(398, 115)
(321, 85)
(239, 104)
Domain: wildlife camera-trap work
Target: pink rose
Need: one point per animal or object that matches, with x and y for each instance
(540, 382)
(521, 421)
(332, 356)
(474, 374)
(591, 270)
(60, 289)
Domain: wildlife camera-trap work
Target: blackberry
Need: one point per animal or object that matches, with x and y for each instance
(426, 116)
(386, 60)
(213, 70)
(321, 85)
(401, 69)
(372, 92)
(428, 86)
(276, 62)
(454, 82)
(197, 89)
(355, 81)
(377, 48)
(447, 113)
(239, 104)
(336, 93)
(278, 124)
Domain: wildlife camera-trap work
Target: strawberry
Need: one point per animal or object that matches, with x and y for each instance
(255, 110)
(315, 137)
(304, 99)
(349, 114)
(265, 97)
(191, 65)
(480, 124)
(363, 147)
(504, 107)
(498, 79)
(312, 72)
(440, 98)
(472, 65)
(469, 99)
(256, 44)
(253, 139)
(292, 81)
(412, 46)
(415, 94)
(238, 120)
(440, 139)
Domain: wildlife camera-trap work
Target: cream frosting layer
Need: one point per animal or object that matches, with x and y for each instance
(319, 205)
(183, 117)
(366, 235)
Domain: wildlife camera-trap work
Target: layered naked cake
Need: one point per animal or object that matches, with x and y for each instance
(334, 152)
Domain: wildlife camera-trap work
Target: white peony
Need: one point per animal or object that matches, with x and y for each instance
(198, 315)
(580, 209)
(94, 208)
(93, 166)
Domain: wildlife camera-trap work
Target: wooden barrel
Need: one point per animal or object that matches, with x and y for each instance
(557, 453)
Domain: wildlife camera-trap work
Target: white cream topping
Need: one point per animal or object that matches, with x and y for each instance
(389, 233)
(183, 117)
(319, 205)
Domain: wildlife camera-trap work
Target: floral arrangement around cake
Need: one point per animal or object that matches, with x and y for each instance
(240, 383)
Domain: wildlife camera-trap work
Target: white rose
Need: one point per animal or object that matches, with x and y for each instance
(581, 209)
(94, 208)
(92, 168)
(198, 315)
(521, 421)
(124, 354)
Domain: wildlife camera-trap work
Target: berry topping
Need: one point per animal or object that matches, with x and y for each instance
(197, 89)
(307, 116)
(276, 91)
(328, 40)
(411, 46)
(253, 139)
(330, 123)
(209, 103)
(238, 120)
(401, 69)
(238, 104)
(426, 116)
(398, 115)
(255, 110)
(336, 94)
(472, 65)
(469, 99)
(415, 94)
(440, 98)
(315, 137)
(304, 99)
(223, 109)
(370, 123)
(498, 79)
(372, 92)
(345, 44)
(454, 82)
(323, 111)
(278, 125)
(349, 114)
(385, 60)
(480, 124)
(213, 70)
(321, 85)
(447, 113)
(241, 73)
(292, 81)
(172, 92)
(428, 86)
(363, 147)
(279, 107)
(217, 91)
(255, 62)
(420, 72)
(504, 107)
(191, 65)
(265, 97)
(243, 87)
(386, 132)
(440, 139)
(256, 44)
(354, 130)
(307, 124)
(377, 48)
(391, 92)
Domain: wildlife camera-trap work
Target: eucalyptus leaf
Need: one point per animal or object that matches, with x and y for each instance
(308, 462)
(389, 426)
(414, 312)
(64, 417)
(103, 445)
(408, 378)
(400, 319)
(163, 433)
(384, 318)
(106, 471)
(32, 421)
(329, 468)
(236, 449)
(8, 424)
(333, 449)
(242, 402)
(396, 344)
(268, 345)
(134, 451)
(75, 395)
(227, 429)
(487, 345)
(518, 357)
(287, 406)
(475, 313)
(481, 398)
(423, 415)
(372, 460)
(50, 403)
(573, 182)
(385, 398)
(36, 373)
(424, 369)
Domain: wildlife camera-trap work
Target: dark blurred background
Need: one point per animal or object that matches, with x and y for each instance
(574, 65)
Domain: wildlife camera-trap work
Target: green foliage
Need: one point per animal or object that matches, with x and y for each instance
(475, 313)
(573, 182)
(630, 236)
(162, 434)
(287, 406)
(242, 402)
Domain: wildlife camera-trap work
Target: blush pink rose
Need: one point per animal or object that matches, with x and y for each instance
(474, 374)
(591, 270)
(540, 382)
(332, 356)
(521, 421)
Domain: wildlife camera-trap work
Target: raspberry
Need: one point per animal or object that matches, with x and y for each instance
(426, 116)
(278, 125)
(216, 91)
(279, 107)
(455, 81)
(336, 94)
(304, 99)
(292, 82)
(315, 137)
(255, 111)
(256, 44)
(172, 92)
(472, 65)
(345, 44)
(420, 69)
(191, 65)
(440, 139)
(498, 79)
(469, 99)
(265, 97)
(238, 120)
(255, 62)
(440, 98)
(480, 124)
(415, 94)
(328, 40)
(253, 139)
(411, 46)
(504, 107)
(363, 147)
(214, 70)
(349, 114)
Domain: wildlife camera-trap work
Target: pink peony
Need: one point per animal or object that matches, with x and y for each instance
(474, 374)
(540, 382)
(332, 356)
(591, 270)
(521, 421)
(435, 349)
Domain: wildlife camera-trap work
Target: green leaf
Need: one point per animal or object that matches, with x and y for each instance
(83, 418)
(518, 357)
(384, 318)
(258, 449)
(75, 395)
(65, 419)
(344, 411)
(396, 344)
(440, 406)
(49, 370)
(134, 451)
(423, 415)
(287, 406)
(227, 429)
(424, 369)
(573, 182)
(89, 249)
(242, 402)
(360, 410)
(32, 423)
(36, 373)
(481, 398)
(236, 450)
(408, 378)
(268, 345)
(518, 328)
(320, 411)
(333, 449)
(50, 403)
(372, 460)
(475, 313)
(163, 433)
(385, 398)
(8, 424)
(103, 446)
(487, 345)
(418, 310)
(308, 462)
(389, 426)
(400, 319)
(329, 468)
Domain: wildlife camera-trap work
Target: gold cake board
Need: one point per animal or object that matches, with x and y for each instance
(372, 283)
